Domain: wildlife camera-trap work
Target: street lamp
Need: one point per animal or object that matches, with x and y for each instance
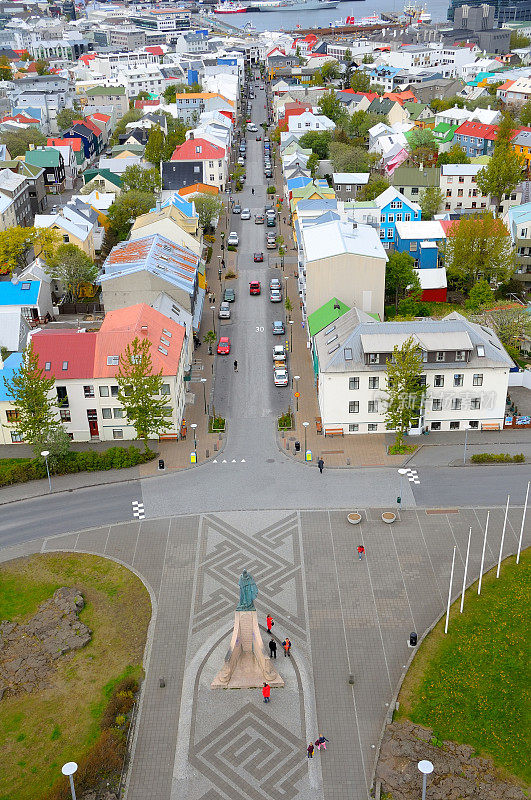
(297, 379)
(213, 309)
(291, 322)
(426, 767)
(203, 381)
(69, 769)
(286, 278)
(401, 472)
(193, 427)
(45, 454)
(305, 425)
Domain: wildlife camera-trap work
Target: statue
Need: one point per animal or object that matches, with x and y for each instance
(248, 592)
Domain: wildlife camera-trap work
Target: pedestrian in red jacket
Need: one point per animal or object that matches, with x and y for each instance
(269, 623)
(310, 750)
(266, 692)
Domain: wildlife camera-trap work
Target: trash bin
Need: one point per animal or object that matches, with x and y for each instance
(297, 447)
(161, 463)
(413, 639)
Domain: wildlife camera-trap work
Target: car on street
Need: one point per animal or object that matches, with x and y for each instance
(258, 219)
(271, 242)
(280, 376)
(229, 296)
(254, 287)
(275, 296)
(258, 257)
(275, 283)
(271, 221)
(252, 127)
(224, 346)
(258, 138)
(279, 353)
(278, 327)
(268, 174)
(233, 239)
(241, 161)
(224, 311)
(269, 208)
(246, 213)
(236, 208)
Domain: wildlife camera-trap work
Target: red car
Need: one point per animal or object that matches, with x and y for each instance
(258, 257)
(254, 287)
(224, 346)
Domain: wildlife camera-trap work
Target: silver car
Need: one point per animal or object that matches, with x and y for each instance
(233, 239)
(274, 283)
(224, 311)
(246, 213)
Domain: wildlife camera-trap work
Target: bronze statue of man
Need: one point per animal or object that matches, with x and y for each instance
(248, 592)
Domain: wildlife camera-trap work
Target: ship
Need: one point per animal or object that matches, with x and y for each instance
(415, 13)
(293, 5)
(230, 7)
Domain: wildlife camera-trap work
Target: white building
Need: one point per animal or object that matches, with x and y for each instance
(461, 192)
(465, 370)
(307, 121)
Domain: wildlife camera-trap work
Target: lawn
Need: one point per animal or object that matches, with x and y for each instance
(472, 686)
(41, 731)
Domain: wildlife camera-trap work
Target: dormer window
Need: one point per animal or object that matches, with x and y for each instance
(48, 366)
(440, 355)
(65, 365)
(373, 358)
(481, 351)
(113, 361)
(460, 355)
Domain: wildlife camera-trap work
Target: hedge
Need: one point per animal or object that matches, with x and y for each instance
(497, 458)
(83, 461)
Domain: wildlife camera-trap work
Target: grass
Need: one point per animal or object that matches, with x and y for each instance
(41, 731)
(471, 686)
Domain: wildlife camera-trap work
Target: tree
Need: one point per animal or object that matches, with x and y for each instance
(17, 143)
(347, 58)
(431, 201)
(29, 390)
(208, 209)
(400, 276)
(169, 93)
(360, 81)
(16, 243)
(209, 338)
(155, 146)
(518, 40)
(422, 138)
(140, 391)
(317, 141)
(173, 140)
(345, 158)
(331, 107)
(6, 73)
(504, 170)
(126, 208)
(139, 179)
(404, 389)
(480, 297)
(66, 117)
(455, 155)
(317, 78)
(42, 67)
(359, 125)
(313, 161)
(373, 188)
(512, 325)
(330, 71)
(133, 115)
(71, 267)
(288, 306)
(368, 59)
(478, 247)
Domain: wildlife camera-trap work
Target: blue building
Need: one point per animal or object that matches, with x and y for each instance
(422, 240)
(395, 207)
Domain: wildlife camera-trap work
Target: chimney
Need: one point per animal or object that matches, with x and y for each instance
(144, 329)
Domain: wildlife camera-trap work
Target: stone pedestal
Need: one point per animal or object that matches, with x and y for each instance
(246, 664)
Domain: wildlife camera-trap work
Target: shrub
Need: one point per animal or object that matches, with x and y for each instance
(209, 254)
(497, 458)
(230, 274)
(231, 247)
(271, 190)
(285, 421)
(216, 424)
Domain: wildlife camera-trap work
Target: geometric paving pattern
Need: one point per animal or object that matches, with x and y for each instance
(250, 755)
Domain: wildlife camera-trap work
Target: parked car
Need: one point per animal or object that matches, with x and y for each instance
(268, 208)
(241, 161)
(236, 208)
(275, 296)
(258, 138)
(246, 213)
(271, 222)
(258, 219)
(279, 353)
(280, 376)
(252, 127)
(254, 287)
(278, 327)
(224, 346)
(229, 296)
(271, 242)
(268, 173)
(233, 239)
(275, 283)
(224, 311)
(258, 257)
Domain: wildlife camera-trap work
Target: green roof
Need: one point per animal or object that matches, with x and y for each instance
(131, 148)
(480, 160)
(361, 204)
(415, 109)
(105, 91)
(43, 158)
(325, 315)
(90, 174)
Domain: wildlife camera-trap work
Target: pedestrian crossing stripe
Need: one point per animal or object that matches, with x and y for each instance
(138, 509)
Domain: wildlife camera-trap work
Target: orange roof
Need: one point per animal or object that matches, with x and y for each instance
(204, 95)
(120, 327)
(505, 86)
(75, 143)
(401, 97)
(203, 188)
(102, 117)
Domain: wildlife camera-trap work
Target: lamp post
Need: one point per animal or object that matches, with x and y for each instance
(213, 309)
(426, 767)
(203, 381)
(69, 769)
(305, 425)
(193, 427)
(297, 378)
(286, 278)
(45, 454)
(401, 472)
(291, 323)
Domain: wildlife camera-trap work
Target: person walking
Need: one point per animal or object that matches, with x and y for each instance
(266, 692)
(252, 190)
(235, 366)
(361, 551)
(310, 750)
(286, 644)
(269, 623)
(321, 742)
(320, 464)
(272, 649)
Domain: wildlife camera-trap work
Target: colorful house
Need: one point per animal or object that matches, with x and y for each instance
(394, 208)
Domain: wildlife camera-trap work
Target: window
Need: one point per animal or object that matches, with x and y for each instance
(480, 351)
(475, 403)
(474, 423)
(438, 381)
(399, 217)
(456, 404)
(165, 388)
(454, 425)
(353, 383)
(88, 391)
(117, 433)
(373, 358)
(104, 391)
(407, 217)
(460, 355)
(16, 437)
(118, 413)
(412, 246)
(436, 426)
(373, 383)
(382, 233)
(458, 380)
(436, 404)
(353, 407)
(106, 413)
(440, 355)
(114, 391)
(353, 427)
(390, 218)
(13, 415)
(414, 190)
(372, 426)
(65, 365)
(389, 233)
(48, 366)
(65, 415)
(372, 406)
(477, 380)
(62, 397)
(113, 361)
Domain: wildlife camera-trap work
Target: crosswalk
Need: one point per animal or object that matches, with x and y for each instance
(412, 476)
(226, 461)
(138, 509)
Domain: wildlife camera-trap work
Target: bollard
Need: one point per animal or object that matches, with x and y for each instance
(162, 683)
(348, 462)
(215, 447)
(208, 453)
(161, 463)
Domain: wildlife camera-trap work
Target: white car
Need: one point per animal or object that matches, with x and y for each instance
(252, 127)
(280, 376)
(246, 213)
(233, 239)
(279, 354)
(274, 283)
(224, 311)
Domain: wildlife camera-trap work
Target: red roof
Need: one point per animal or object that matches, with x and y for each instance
(102, 117)
(146, 103)
(22, 119)
(65, 348)
(75, 143)
(87, 57)
(401, 97)
(188, 151)
(478, 129)
(88, 124)
(155, 50)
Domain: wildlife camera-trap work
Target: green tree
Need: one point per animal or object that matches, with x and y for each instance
(17, 143)
(133, 115)
(208, 207)
(345, 158)
(126, 208)
(30, 392)
(140, 391)
(331, 107)
(405, 390)
(347, 58)
(512, 325)
(359, 125)
(524, 114)
(518, 40)
(16, 244)
(422, 138)
(312, 164)
(317, 141)
(6, 73)
(504, 170)
(42, 67)
(173, 140)
(455, 155)
(209, 338)
(317, 78)
(137, 178)
(373, 188)
(155, 146)
(368, 59)
(169, 93)
(360, 81)
(288, 306)
(71, 267)
(66, 117)
(481, 296)
(431, 200)
(400, 277)
(330, 71)
(479, 246)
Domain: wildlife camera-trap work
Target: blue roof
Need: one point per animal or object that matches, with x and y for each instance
(319, 204)
(298, 183)
(22, 293)
(188, 209)
(11, 365)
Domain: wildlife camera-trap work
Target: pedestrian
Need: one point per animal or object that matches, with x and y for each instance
(266, 692)
(235, 366)
(320, 464)
(361, 551)
(269, 623)
(272, 649)
(286, 644)
(252, 190)
(321, 742)
(223, 263)
(310, 750)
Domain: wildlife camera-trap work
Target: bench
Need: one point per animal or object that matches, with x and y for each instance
(490, 426)
(333, 432)
(319, 424)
